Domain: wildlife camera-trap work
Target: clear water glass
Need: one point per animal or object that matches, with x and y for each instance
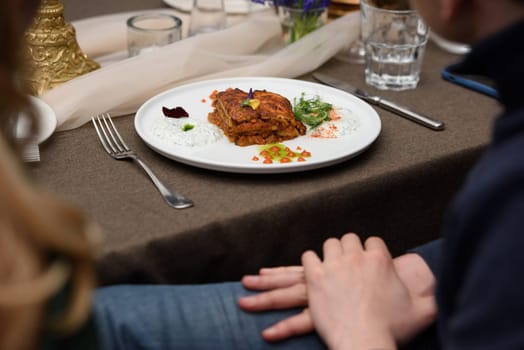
(207, 16)
(147, 32)
(394, 43)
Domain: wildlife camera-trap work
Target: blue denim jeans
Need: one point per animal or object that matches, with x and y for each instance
(185, 317)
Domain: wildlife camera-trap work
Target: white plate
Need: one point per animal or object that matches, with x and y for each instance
(225, 156)
(46, 119)
(231, 6)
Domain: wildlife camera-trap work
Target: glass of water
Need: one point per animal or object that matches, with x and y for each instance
(147, 32)
(207, 16)
(394, 43)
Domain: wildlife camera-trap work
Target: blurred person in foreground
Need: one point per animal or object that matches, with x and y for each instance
(46, 255)
(356, 297)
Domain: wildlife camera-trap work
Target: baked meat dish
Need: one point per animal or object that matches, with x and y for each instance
(258, 117)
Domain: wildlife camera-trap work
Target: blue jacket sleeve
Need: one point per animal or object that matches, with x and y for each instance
(432, 254)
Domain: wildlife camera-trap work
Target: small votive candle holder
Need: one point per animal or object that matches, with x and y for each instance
(146, 32)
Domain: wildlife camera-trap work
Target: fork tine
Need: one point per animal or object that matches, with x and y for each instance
(110, 135)
(124, 145)
(96, 122)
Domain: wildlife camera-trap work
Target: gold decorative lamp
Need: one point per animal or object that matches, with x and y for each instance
(52, 49)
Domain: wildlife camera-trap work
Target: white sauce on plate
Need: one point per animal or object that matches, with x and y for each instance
(344, 126)
(171, 131)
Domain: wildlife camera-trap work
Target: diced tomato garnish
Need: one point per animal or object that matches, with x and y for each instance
(275, 149)
(285, 160)
(305, 154)
(268, 161)
(301, 159)
(255, 158)
(265, 153)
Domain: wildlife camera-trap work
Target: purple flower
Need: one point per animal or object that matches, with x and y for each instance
(300, 4)
(308, 5)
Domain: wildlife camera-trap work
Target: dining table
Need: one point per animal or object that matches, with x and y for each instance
(398, 188)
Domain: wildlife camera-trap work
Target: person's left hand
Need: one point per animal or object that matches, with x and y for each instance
(282, 288)
(356, 298)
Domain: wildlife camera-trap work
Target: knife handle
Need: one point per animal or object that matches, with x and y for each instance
(413, 116)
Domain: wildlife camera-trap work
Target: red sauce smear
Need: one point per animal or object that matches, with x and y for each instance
(177, 112)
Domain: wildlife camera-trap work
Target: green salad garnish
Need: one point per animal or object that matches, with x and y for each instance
(188, 127)
(311, 111)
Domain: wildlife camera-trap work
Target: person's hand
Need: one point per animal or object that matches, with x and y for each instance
(357, 299)
(284, 287)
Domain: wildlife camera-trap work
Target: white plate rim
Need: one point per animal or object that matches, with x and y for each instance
(229, 6)
(372, 125)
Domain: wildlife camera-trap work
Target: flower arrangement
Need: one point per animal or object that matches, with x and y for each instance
(305, 5)
(299, 17)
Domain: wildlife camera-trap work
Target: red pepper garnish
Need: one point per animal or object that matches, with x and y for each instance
(177, 112)
(305, 154)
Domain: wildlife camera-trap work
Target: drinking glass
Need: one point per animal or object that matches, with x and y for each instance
(356, 50)
(145, 32)
(207, 16)
(394, 42)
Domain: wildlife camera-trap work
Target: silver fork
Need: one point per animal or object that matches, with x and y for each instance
(117, 148)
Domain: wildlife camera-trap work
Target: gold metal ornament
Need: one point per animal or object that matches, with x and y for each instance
(52, 49)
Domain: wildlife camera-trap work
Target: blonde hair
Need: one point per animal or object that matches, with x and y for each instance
(44, 242)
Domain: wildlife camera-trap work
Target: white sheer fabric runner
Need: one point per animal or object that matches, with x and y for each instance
(252, 47)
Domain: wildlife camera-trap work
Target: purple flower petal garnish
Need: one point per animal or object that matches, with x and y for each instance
(177, 112)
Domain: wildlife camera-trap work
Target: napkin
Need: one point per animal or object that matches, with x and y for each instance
(253, 47)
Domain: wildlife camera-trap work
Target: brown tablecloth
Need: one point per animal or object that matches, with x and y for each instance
(397, 189)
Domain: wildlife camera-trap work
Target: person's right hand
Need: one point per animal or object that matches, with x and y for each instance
(357, 299)
(284, 287)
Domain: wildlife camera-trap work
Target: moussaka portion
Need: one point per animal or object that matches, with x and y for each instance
(258, 117)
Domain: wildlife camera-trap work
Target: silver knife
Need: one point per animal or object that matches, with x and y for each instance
(378, 101)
